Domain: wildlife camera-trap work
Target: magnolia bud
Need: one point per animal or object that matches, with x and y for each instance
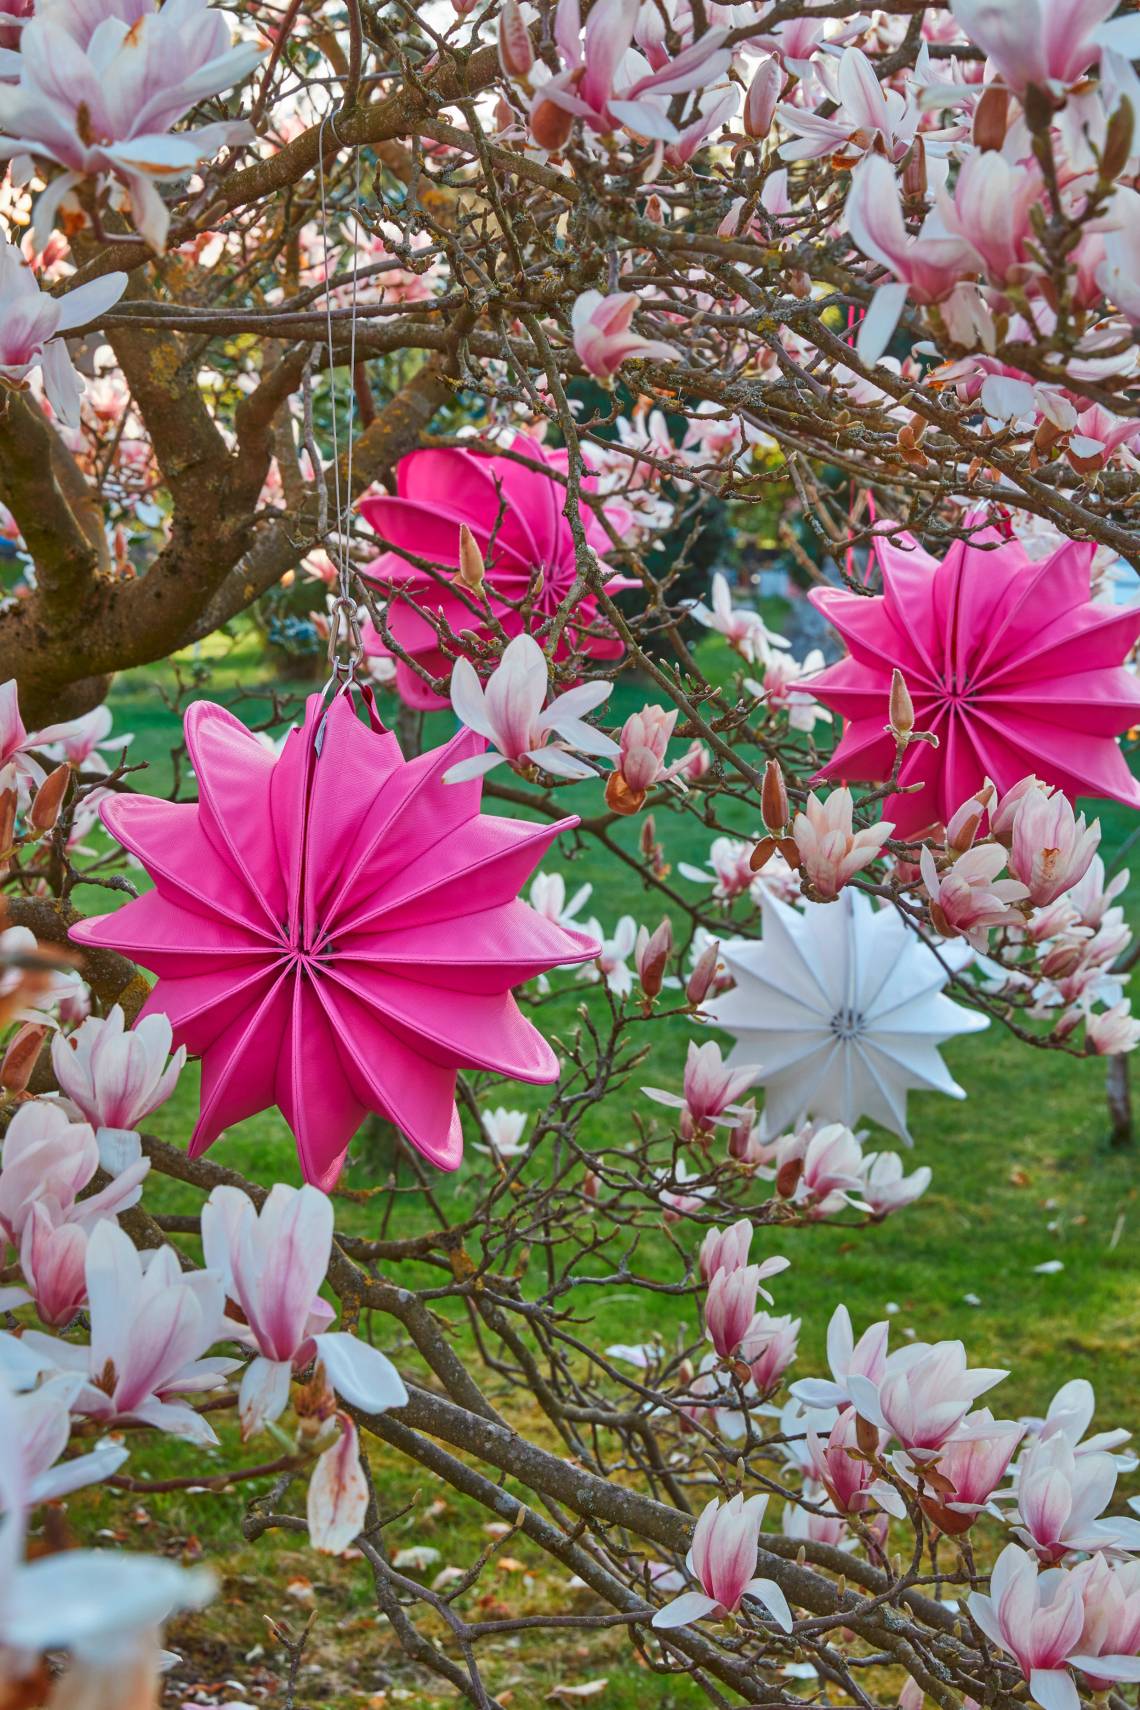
(648, 836)
(550, 125)
(471, 566)
(763, 94)
(740, 1137)
(8, 804)
(20, 1057)
(1060, 962)
(1117, 140)
(762, 853)
(902, 707)
(44, 811)
(589, 1186)
(703, 975)
(655, 210)
(653, 957)
(867, 1436)
(914, 172)
(516, 55)
(788, 1177)
(774, 798)
(685, 1373)
(991, 118)
(620, 798)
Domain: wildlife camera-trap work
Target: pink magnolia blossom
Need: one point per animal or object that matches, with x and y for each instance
(1111, 1032)
(725, 1249)
(32, 325)
(604, 337)
(1110, 1639)
(100, 89)
(990, 210)
(117, 1078)
(17, 767)
(711, 1090)
(509, 713)
(151, 1326)
(35, 1428)
(272, 1264)
(769, 1347)
(1061, 1497)
(104, 1608)
(504, 1130)
(847, 1358)
(924, 1394)
(1037, 1619)
(337, 1502)
(1052, 848)
(867, 115)
(885, 1186)
(53, 1259)
(730, 1305)
(743, 629)
(1004, 811)
(830, 1165)
(80, 740)
(839, 1464)
(1039, 42)
(611, 964)
(974, 1462)
(831, 850)
(48, 1159)
(968, 900)
(644, 740)
(731, 872)
(607, 85)
(723, 1561)
(784, 688)
(926, 268)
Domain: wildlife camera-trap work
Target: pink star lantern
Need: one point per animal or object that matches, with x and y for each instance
(335, 930)
(514, 510)
(1008, 662)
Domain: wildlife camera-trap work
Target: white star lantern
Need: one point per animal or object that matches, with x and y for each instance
(842, 1005)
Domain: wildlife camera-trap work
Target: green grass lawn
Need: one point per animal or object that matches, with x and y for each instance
(1022, 1174)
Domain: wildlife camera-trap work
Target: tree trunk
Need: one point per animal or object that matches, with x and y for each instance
(1119, 1091)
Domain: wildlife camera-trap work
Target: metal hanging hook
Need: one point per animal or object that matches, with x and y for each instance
(346, 643)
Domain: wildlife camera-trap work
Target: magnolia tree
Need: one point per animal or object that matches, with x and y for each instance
(471, 319)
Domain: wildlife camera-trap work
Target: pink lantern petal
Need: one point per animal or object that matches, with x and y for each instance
(476, 961)
(317, 1098)
(184, 864)
(473, 1030)
(389, 1076)
(183, 939)
(239, 1073)
(233, 771)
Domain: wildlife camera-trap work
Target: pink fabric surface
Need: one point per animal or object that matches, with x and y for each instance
(1008, 662)
(336, 931)
(514, 510)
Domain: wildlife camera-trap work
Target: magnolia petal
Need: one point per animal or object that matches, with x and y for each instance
(360, 1374)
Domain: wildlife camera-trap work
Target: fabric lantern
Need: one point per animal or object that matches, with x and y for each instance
(1008, 662)
(335, 930)
(842, 1006)
(514, 508)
